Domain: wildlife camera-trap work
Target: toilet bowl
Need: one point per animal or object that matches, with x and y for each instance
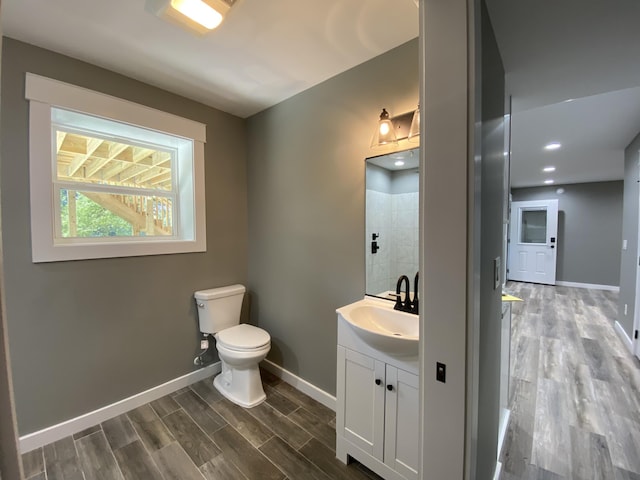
(241, 347)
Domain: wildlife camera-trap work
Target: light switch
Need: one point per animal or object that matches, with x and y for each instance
(624, 244)
(441, 372)
(496, 273)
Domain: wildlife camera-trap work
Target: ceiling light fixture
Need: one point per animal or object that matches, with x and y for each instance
(201, 16)
(549, 169)
(548, 182)
(552, 146)
(399, 163)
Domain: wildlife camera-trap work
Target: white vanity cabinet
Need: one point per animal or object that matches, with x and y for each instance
(377, 408)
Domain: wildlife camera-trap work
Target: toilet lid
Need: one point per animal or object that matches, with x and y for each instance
(243, 336)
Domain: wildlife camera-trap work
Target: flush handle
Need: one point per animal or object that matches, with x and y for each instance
(201, 305)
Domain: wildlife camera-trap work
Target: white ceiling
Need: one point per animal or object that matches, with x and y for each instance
(410, 159)
(264, 52)
(554, 51)
(269, 50)
(593, 132)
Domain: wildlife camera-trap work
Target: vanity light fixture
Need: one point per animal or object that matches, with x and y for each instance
(385, 133)
(391, 129)
(414, 130)
(552, 146)
(201, 16)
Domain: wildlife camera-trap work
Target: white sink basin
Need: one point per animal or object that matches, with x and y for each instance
(382, 327)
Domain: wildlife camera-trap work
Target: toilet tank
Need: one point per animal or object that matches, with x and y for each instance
(219, 308)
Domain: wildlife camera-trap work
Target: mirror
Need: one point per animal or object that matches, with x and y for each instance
(391, 221)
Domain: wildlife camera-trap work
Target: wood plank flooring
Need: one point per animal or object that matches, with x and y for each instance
(574, 388)
(196, 434)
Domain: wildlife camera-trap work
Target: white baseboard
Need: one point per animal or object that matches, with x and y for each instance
(57, 432)
(594, 286)
(314, 392)
(624, 337)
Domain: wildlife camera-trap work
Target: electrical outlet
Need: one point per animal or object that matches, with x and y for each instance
(441, 372)
(625, 308)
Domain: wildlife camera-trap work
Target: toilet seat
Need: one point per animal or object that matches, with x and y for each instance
(243, 338)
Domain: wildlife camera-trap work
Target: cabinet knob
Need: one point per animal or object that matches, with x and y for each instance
(378, 381)
(390, 387)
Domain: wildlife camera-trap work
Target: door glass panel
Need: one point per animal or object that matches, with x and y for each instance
(534, 226)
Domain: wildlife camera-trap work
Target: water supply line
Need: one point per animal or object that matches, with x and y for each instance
(204, 348)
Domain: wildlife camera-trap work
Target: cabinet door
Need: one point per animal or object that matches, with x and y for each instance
(362, 421)
(401, 422)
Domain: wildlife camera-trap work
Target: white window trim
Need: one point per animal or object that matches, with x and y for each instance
(43, 93)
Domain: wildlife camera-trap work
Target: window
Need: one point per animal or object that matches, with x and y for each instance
(111, 178)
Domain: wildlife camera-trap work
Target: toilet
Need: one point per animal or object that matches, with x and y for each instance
(241, 347)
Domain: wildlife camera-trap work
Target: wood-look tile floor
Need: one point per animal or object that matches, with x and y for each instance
(574, 388)
(196, 434)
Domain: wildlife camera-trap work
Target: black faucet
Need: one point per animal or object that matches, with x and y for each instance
(415, 304)
(407, 305)
(403, 305)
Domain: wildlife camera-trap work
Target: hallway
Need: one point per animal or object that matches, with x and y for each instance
(574, 388)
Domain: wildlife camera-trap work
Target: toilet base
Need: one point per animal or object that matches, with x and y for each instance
(240, 386)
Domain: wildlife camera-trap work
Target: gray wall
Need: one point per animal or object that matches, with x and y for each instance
(378, 178)
(391, 181)
(405, 181)
(628, 257)
(306, 206)
(589, 229)
(491, 205)
(85, 334)
(10, 465)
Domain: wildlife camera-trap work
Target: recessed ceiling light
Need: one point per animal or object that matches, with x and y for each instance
(399, 163)
(548, 182)
(549, 169)
(552, 146)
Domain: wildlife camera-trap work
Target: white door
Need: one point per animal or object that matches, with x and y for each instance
(533, 242)
(363, 389)
(401, 430)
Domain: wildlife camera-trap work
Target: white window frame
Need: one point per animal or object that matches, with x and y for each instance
(189, 229)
